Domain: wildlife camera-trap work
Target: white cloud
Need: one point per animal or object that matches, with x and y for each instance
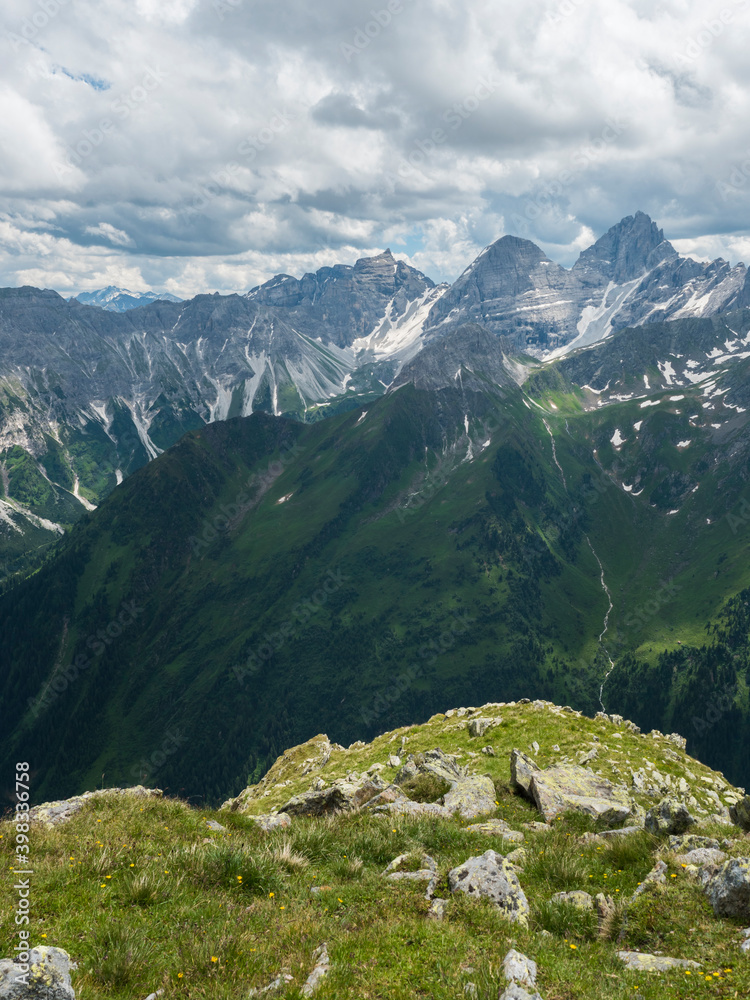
(190, 145)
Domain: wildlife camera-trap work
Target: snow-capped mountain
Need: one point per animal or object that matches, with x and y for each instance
(90, 393)
(630, 276)
(120, 299)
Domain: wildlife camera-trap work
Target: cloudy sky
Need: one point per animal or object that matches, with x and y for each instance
(201, 145)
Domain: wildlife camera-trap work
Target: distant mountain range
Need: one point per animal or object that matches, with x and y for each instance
(89, 393)
(120, 299)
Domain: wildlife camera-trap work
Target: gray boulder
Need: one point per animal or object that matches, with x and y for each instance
(343, 795)
(434, 762)
(669, 816)
(492, 877)
(522, 770)
(702, 856)
(478, 727)
(729, 889)
(320, 971)
(471, 797)
(567, 787)
(45, 976)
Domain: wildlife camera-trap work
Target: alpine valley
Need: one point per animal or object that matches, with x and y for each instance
(342, 502)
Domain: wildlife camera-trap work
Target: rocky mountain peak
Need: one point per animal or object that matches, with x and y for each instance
(627, 250)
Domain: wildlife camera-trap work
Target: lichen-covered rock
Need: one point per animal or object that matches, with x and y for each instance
(471, 797)
(729, 889)
(522, 770)
(53, 813)
(669, 816)
(517, 968)
(567, 787)
(637, 961)
(740, 813)
(578, 898)
(343, 795)
(279, 821)
(691, 842)
(438, 909)
(44, 976)
(492, 877)
(434, 762)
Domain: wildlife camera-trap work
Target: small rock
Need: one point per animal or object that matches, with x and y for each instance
(535, 747)
(47, 973)
(470, 989)
(320, 971)
(478, 727)
(624, 831)
(745, 946)
(216, 827)
(637, 961)
(492, 877)
(279, 821)
(516, 992)
(273, 987)
(518, 857)
(537, 827)
(394, 761)
(489, 751)
(670, 816)
(437, 910)
(517, 968)
(656, 875)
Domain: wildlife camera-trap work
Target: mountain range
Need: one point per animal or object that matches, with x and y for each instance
(89, 394)
(120, 299)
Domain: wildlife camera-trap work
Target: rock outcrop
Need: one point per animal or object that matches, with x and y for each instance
(492, 877)
(669, 816)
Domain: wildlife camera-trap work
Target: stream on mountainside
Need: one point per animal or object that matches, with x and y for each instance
(605, 588)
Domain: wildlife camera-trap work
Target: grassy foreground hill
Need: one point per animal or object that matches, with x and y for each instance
(145, 895)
